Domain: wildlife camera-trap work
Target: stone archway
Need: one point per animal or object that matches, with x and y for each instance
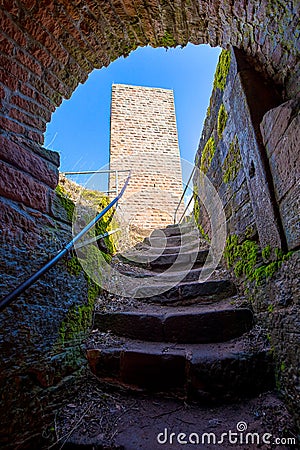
(46, 50)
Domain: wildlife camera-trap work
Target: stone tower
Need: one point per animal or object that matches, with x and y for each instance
(144, 138)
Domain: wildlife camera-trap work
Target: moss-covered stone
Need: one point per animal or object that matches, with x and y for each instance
(73, 266)
(222, 119)
(222, 70)
(87, 262)
(207, 155)
(232, 163)
(244, 259)
(65, 201)
(168, 40)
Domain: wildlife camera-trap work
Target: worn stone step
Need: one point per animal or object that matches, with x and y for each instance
(174, 230)
(187, 247)
(209, 372)
(160, 240)
(171, 276)
(185, 293)
(159, 262)
(201, 325)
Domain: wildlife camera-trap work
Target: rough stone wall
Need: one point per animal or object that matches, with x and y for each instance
(280, 131)
(37, 357)
(143, 139)
(254, 164)
(230, 150)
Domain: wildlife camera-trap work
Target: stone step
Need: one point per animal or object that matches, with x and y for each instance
(209, 372)
(185, 293)
(159, 262)
(160, 240)
(171, 276)
(201, 325)
(187, 247)
(174, 230)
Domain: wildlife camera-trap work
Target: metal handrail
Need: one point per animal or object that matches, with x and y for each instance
(30, 281)
(182, 197)
(92, 172)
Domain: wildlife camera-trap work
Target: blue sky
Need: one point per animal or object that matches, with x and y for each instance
(79, 129)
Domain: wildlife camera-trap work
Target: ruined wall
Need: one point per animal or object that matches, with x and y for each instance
(249, 149)
(143, 139)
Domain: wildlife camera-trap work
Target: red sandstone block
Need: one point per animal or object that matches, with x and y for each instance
(35, 137)
(45, 90)
(31, 107)
(56, 49)
(26, 90)
(28, 4)
(33, 28)
(12, 30)
(23, 118)
(6, 46)
(57, 85)
(10, 6)
(2, 92)
(27, 61)
(21, 187)
(10, 125)
(45, 102)
(42, 55)
(8, 80)
(13, 68)
(12, 218)
(27, 161)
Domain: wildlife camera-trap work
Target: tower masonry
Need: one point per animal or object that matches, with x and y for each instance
(144, 139)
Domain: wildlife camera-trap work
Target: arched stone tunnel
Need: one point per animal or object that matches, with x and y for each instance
(46, 50)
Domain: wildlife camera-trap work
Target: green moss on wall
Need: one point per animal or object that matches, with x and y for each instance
(74, 266)
(107, 223)
(222, 119)
(243, 258)
(87, 263)
(65, 201)
(232, 163)
(222, 70)
(207, 155)
(168, 40)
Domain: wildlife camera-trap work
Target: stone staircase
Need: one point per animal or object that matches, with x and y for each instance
(179, 336)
